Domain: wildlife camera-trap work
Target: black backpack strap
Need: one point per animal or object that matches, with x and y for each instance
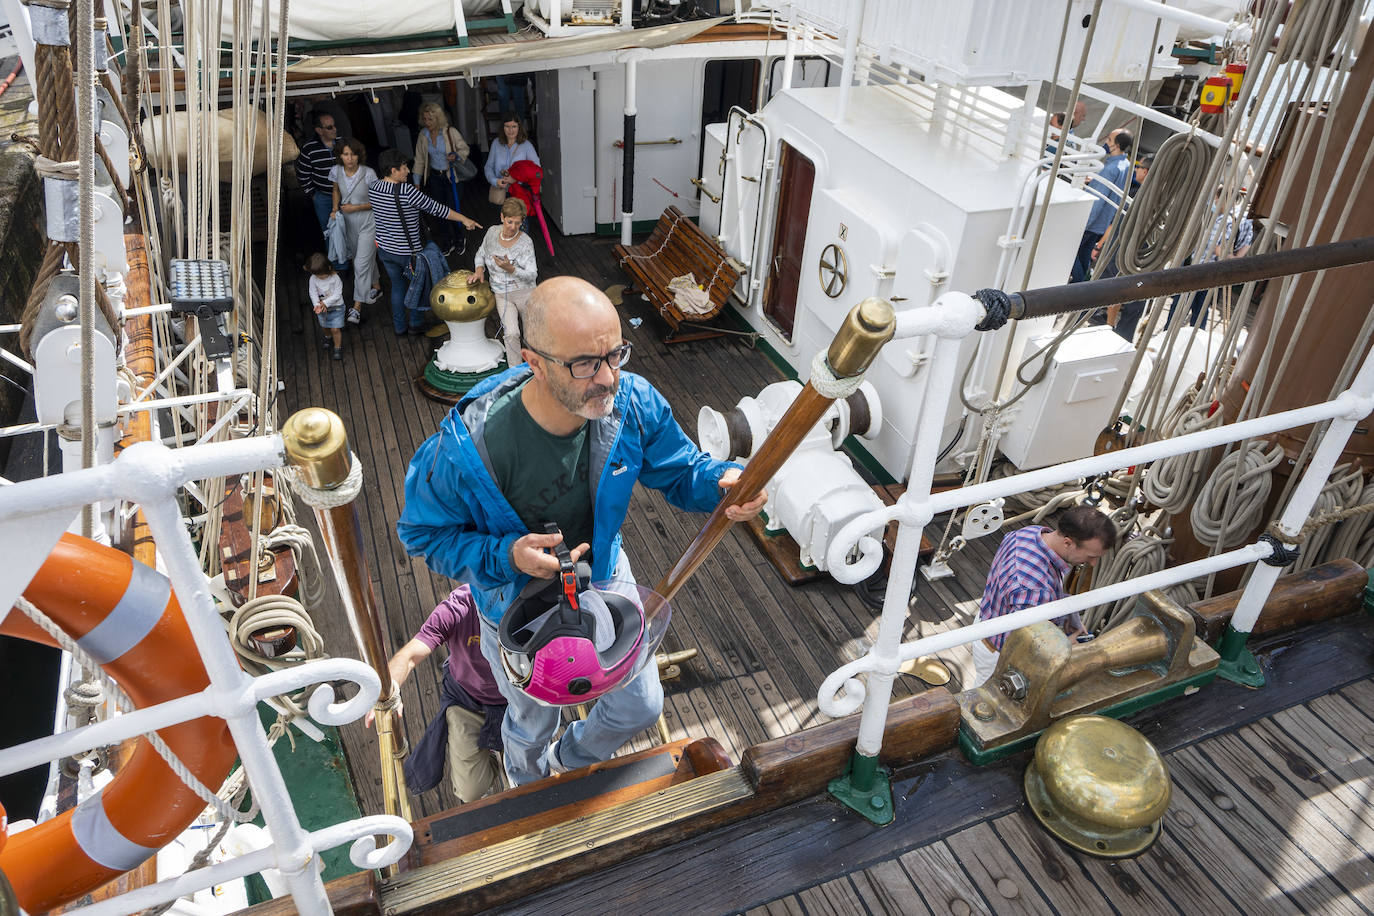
(400, 214)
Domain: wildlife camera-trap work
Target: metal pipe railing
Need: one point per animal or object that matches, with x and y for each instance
(152, 475)
(948, 319)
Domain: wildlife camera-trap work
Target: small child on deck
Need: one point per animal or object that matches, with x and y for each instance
(326, 296)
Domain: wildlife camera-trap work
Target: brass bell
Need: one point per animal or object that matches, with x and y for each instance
(1098, 785)
(453, 300)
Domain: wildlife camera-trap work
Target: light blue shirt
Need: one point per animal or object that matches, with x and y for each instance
(1111, 181)
(438, 151)
(501, 157)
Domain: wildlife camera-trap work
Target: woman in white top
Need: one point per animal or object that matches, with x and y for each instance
(439, 148)
(351, 178)
(506, 260)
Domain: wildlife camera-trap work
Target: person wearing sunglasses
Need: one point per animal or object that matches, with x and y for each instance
(562, 438)
(314, 162)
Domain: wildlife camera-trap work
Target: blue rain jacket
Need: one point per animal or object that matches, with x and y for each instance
(459, 521)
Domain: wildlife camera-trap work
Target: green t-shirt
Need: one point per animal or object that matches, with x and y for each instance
(544, 477)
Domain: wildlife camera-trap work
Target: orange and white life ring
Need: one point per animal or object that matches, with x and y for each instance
(125, 615)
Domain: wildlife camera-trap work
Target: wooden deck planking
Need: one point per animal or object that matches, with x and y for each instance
(1277, 846)
(937, 874)
(1235, 820)
(834, 898)
(887, 888)
(995, 871)
(1059, 878)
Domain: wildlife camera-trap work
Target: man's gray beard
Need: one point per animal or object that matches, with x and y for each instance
(593, 405)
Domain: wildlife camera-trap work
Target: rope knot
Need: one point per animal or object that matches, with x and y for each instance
(827, 384)
(997, 304)
(85, 695)
(69, 170)
(1282, 555)
(341, 495)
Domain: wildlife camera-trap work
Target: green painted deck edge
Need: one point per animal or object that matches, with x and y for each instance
(980, 757)
(318, 780)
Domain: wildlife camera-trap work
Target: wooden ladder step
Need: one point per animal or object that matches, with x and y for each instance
(487, 876)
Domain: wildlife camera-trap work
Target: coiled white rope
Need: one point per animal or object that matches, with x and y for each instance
(1173, 482)
(1232, 501)
(308, 569)
(1145, 553)
(827, 384)
(268, 612)
(123, 702)
(1351, 533)
(342, 495)
(1342, 490)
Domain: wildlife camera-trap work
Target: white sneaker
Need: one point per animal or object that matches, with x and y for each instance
(354, 316)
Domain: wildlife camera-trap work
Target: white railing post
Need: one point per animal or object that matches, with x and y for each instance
(1237, 664)
(866, 789)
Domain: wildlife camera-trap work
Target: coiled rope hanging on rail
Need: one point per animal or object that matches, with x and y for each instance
(1232, 501)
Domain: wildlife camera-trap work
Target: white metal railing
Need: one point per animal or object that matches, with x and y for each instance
(150, 474)
(854, 554)
(999, 42)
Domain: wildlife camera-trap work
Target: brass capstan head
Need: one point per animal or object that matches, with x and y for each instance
(1098, 785)
(454, 300)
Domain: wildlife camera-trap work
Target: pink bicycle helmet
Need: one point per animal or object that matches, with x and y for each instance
(550, 637)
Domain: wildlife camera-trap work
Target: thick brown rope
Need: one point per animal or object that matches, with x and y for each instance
(1318, 521)
(121, 193)
(57, 142)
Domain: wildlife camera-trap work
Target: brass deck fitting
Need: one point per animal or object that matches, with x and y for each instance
(1098, 785)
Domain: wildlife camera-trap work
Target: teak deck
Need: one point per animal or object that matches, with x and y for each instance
(1273, 815)
(764, 647)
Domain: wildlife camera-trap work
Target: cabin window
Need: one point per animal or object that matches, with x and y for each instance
(806, 71)
(727, 84)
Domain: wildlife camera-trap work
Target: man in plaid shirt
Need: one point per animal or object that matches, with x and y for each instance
(1029, 571)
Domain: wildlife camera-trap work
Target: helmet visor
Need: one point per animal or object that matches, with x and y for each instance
(657, 613)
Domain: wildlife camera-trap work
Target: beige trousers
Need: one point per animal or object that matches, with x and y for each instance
(472, 771)
(510, 305)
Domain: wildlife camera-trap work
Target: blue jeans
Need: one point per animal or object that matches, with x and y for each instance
(324, 205)
(1083, 261)
(395, 264)
(529, 726)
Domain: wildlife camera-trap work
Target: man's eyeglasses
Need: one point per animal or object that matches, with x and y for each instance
(329, 127)
(584, 367)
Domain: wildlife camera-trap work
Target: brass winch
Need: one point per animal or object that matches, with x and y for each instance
(1042, 677)
(1098, 785)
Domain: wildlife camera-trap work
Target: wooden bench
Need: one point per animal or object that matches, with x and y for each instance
(677, 246)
